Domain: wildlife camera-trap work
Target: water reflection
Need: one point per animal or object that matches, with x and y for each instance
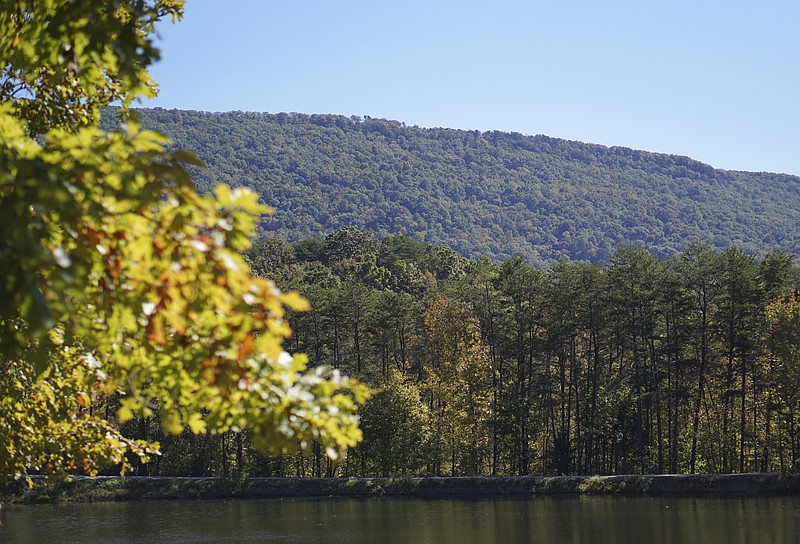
(573, 520)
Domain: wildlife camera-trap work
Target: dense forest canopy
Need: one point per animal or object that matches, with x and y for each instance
(491, 193)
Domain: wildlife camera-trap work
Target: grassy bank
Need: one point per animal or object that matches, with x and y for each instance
(136, 488)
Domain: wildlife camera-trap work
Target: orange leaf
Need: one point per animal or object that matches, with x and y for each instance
(246, 347)
(156, 328)
(175, 321)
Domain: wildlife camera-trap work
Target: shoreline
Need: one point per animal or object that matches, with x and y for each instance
(112, 488)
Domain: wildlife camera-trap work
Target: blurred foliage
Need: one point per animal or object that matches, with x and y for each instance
(123, 291)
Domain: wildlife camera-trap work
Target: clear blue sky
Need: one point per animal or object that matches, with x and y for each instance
(718, 81)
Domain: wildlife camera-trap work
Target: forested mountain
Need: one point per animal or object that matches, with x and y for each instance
(638, 365)
(490, 193)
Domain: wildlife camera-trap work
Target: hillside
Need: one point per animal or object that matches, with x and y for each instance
(489, 193)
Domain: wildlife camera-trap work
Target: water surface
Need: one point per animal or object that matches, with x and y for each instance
(550, 520)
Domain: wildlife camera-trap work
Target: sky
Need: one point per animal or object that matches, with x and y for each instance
(718, 81)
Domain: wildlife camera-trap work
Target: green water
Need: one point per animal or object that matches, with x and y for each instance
(584, 520)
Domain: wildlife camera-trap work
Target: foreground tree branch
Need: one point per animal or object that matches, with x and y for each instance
(122, 286)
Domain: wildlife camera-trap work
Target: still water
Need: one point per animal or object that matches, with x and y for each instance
(573, 520)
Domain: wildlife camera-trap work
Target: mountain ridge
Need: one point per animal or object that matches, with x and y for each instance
(483, 193)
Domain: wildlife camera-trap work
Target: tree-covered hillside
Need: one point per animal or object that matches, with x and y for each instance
(489, 193)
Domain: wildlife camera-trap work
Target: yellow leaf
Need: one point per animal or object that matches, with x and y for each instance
(125, 414)
(197, 424)
(171, 423)
(175, 321)
(294, 301)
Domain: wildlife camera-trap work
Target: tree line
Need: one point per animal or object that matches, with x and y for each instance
(643, 364)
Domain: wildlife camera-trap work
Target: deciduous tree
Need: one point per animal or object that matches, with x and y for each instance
(118, 278)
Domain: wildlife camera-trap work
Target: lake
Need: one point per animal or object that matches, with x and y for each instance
(551, 520)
